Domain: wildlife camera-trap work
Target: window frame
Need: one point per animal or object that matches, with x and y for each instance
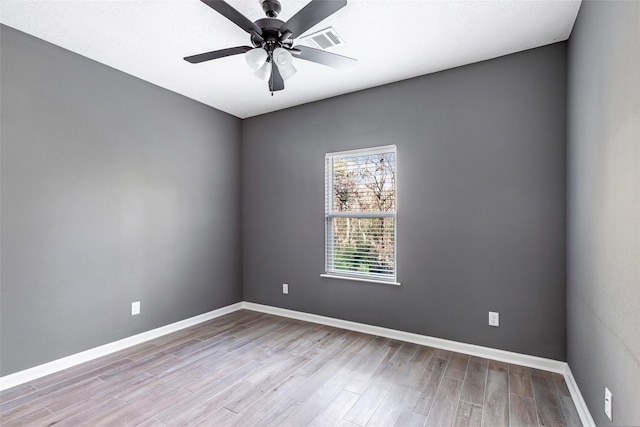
(330, 214)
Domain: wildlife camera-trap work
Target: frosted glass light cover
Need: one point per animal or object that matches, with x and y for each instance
(256, 58)
(287, 72)
(264, 72)
(282, 57)
(284, 61)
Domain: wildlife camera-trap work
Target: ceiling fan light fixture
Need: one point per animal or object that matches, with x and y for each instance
(287, 72)
(274, 40)
(264, 72)
(256, 58)
(282, 57)
(284, 61)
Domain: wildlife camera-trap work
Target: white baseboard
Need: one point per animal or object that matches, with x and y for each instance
(474, 350)
(471, 349)
(578, 400)
(39, 371)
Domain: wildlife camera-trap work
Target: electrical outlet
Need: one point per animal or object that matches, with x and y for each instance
(285, 288)
(607, 403)
(135, 308)
(494, 318)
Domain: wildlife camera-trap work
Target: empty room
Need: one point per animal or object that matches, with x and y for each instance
(346, 213)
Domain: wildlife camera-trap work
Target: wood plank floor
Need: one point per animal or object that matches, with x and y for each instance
(254, 369)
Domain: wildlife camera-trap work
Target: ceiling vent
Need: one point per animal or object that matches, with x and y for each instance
(323, 39)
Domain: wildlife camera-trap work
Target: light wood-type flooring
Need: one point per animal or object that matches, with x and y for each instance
(253, 369)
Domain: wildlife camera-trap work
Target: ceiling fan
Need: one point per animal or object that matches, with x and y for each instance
(272, 53)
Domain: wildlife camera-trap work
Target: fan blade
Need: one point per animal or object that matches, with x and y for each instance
(325, 58)
(226, 10)
(314, 12)
(208, 56)
(276, 82)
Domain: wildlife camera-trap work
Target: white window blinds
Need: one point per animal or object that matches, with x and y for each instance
(360, 214)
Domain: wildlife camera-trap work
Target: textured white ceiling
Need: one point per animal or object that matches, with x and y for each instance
(393, 40)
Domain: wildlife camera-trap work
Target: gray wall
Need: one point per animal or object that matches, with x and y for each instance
(481, 217)
(113, 190)
(603, 295)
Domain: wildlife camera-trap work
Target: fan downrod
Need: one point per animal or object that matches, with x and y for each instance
(271, 8)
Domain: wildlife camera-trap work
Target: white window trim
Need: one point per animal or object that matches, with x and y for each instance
(364, 151)
(359, 279)
(353, 277)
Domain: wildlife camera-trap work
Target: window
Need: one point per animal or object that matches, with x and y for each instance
(360, 214)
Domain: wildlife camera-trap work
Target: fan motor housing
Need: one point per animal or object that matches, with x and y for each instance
(270, 32)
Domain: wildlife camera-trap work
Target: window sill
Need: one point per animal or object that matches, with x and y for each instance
(359, 279)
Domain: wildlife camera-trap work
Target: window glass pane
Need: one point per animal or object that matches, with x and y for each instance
(364, 183)
(363, 245)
